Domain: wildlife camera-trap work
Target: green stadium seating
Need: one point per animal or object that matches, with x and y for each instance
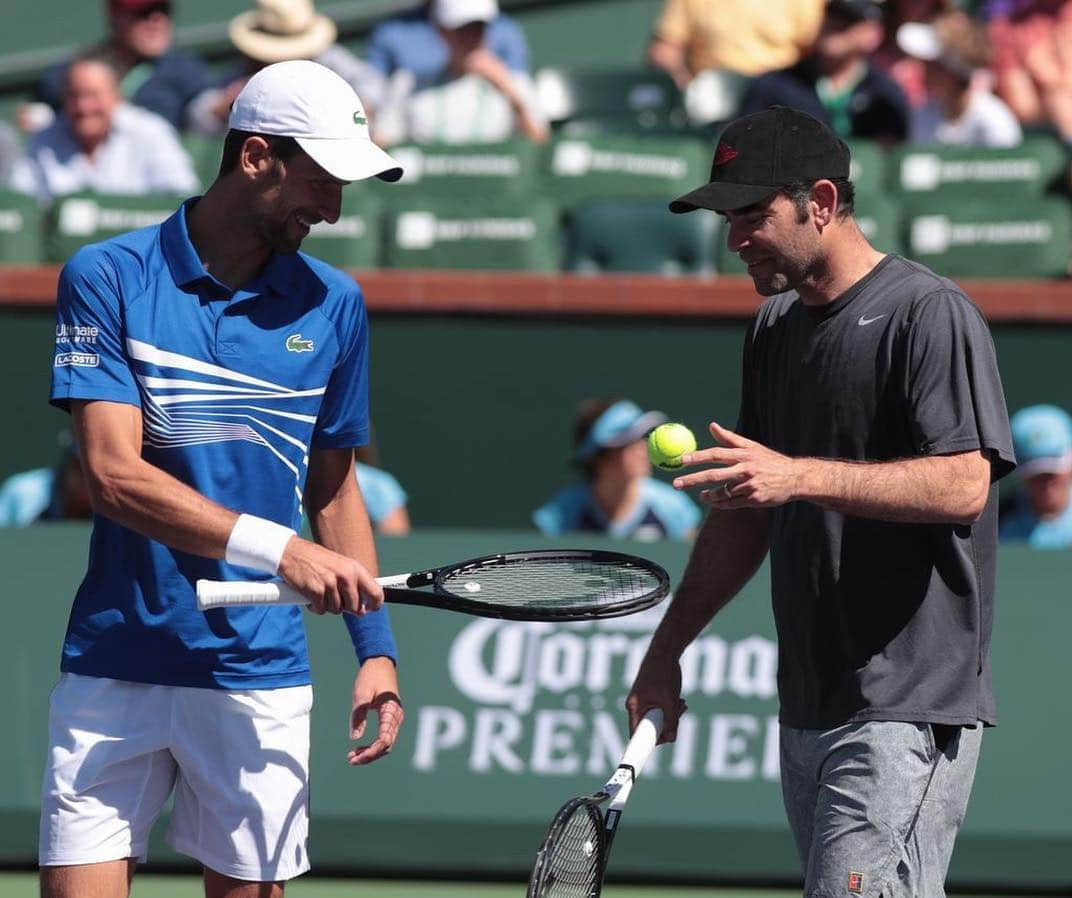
(610, 99)
(355, 240)
(21, 229)
(509, 169)
(867, 168)
(205, 153)
(639, 235)
(610, 166)
(78, 219)
(972, 172)
(474, 234)
(1025, 238)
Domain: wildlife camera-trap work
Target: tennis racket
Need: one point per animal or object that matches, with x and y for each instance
(573, 856)
(541, 585)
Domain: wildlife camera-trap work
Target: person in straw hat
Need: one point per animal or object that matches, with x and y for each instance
(277, 31)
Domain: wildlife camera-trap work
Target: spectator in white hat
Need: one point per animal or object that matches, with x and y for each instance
(477, 100)
(410, 41)
(276, 31)
(959, 109)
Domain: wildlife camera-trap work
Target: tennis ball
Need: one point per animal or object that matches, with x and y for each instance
(667, 443)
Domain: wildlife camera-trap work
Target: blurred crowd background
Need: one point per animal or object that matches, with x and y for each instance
(546, 135)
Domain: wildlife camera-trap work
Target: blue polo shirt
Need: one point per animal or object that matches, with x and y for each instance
(235, 388)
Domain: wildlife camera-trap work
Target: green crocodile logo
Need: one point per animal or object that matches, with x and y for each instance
(359, 119)
(295, 343)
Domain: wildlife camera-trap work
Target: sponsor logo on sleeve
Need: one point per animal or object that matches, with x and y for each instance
(77, 360)
(76, 333)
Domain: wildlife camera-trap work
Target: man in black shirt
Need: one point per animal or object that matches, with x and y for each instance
(872, 433)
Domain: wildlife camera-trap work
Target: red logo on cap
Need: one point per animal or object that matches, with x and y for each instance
(856, 882)
(724, 153)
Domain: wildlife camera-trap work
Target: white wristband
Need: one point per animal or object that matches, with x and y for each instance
(257, 543)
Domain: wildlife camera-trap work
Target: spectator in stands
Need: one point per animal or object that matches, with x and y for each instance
(837, 82)
(276, 31)
(412, 42)
(1032, 42)
(47, 494)
(9, 152)
(691, 36)
(478, 98)
(152, 73)
(960, 109)
(1040, 512)
(618, 496)
(906, 70)
(101, 143)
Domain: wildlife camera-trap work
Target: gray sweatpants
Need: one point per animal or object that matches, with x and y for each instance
(875, 806)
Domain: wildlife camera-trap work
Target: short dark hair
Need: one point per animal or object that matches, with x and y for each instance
(283, 148)
(799, 193)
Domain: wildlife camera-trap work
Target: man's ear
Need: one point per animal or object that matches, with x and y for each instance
(255, 157)
(824, 197)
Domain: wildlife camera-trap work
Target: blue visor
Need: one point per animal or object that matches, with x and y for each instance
(621, 424)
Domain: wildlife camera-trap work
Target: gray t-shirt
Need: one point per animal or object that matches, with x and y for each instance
(879, 620)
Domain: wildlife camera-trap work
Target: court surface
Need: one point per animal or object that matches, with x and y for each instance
(24, 885)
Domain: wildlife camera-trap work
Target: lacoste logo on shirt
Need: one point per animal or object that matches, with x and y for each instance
(863, 322)
(295, 343)
(359, 119)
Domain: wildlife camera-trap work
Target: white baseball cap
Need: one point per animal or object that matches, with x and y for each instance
(455, 13)
(309, 102)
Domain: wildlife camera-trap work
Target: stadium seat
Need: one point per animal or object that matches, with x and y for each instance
(520, 235)
(1025, 238)
(355, 240)
(972, 172)
(205, 154)
(629, 99)
(21, 229)
(639, 235)
(714, 95)
(509, 169)
(868, 168)
(624, 167)
(78, 219)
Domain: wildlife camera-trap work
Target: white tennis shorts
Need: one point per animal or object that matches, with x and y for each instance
(237, 762)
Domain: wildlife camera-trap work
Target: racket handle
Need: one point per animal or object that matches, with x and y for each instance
(643, 742)
(219, 593)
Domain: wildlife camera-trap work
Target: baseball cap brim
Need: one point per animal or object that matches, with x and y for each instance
(1051, 464)
(351, 159)
(721, 197)
(639, 429)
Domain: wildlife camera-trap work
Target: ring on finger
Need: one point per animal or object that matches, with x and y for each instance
(726, 489)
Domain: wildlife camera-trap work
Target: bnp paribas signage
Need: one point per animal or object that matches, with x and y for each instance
(547, 699)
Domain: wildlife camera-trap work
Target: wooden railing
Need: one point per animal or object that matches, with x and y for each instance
(523, 294)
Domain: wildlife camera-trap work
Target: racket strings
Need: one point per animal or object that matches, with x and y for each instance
(553, 582)
(573, 867)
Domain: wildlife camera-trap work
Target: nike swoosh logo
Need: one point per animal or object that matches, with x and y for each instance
(863, 322)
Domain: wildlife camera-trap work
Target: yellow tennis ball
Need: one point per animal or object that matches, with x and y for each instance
(667, 443)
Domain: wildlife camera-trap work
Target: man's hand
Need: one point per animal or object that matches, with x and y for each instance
(332, 582)
(375, 688)
(748, 474)
(657, 685)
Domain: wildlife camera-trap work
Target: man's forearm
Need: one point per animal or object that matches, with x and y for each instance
(936, 489)
(728, 550)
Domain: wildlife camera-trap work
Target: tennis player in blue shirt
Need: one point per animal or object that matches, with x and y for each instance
(217, 381)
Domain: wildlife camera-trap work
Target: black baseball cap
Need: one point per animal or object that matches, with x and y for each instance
(761, 153)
